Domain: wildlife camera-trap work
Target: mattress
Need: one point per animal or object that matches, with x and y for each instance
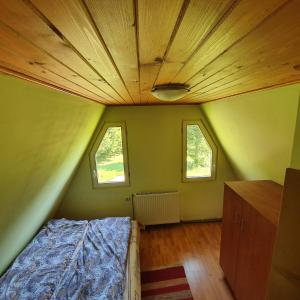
(67, 259)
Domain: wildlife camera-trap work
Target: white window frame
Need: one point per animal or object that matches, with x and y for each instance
(184, 151)
(94, 149)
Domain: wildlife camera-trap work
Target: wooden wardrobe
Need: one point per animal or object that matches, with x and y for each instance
(285, 275)
(250, 219)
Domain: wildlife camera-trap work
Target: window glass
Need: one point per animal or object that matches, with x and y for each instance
(198, 153)
(109, 157)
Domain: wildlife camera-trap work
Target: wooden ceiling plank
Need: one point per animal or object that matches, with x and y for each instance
(25, 75)
(280, 74)
(17, 51)
(238, 89)
(114, 51)
(72, 20)
(156, 23)
(214, 76)
(275, 44)
(22, 18)
(249, 90)
(242, 20)
(199, 20)
(115, 20)
(277, 76)
(17, 64)
(257, 78)
(37, 77)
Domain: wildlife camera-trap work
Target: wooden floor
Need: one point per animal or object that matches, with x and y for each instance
(196, 246)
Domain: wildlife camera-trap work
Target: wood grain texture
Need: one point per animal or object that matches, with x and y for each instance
(264, 195)
(7, 69)
(250, 220)
(237, 70)
(70, 18)
(199, 20)
(116, 22)
(115, 51)
(21, 18)
(253, 262)
(238, 21)
(195, 246)
(15, 50)
(156, 22)
(285, 275)
(232, 211)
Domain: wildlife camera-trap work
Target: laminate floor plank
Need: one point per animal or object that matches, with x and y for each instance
(196, 246)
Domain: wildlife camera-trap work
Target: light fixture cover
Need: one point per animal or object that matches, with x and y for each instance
(170, 92)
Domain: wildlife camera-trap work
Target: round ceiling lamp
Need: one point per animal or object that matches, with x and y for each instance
(170, 92)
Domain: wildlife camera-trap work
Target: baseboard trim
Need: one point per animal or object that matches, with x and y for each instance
(214, 220)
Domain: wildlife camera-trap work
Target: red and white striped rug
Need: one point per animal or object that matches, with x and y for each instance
(167, 284)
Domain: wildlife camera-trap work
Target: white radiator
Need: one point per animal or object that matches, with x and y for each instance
(156, 208)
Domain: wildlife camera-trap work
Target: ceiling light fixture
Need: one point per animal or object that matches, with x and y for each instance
(170, 92)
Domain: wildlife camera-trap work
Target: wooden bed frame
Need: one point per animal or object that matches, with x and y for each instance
(133, 277)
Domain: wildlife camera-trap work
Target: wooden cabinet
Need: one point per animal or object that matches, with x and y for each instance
(230, 236)
(250, 218)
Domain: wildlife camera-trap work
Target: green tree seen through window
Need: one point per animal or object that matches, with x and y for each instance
(199, 153)
(109, 157)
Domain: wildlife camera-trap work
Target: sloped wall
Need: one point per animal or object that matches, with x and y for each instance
(43, 134)
(257, 131)
(155, 155)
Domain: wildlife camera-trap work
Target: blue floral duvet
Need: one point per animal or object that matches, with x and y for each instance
(71, 260)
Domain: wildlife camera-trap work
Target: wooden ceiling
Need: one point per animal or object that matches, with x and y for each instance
(114, 51)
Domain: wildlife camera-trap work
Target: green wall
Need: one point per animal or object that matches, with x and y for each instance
(43, 134)
(256, 131)
(154, 149)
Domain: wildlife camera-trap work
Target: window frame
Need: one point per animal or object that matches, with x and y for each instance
(98, 140)
(210, 142)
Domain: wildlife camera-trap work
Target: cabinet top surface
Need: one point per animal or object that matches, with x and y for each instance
(264, 195)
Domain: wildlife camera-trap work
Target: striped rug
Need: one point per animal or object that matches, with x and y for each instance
(166, 284)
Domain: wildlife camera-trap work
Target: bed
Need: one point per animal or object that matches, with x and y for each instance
(97, 259)
(133, 273)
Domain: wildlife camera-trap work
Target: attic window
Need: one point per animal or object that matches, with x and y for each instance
(109, 156)
(199, 152)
